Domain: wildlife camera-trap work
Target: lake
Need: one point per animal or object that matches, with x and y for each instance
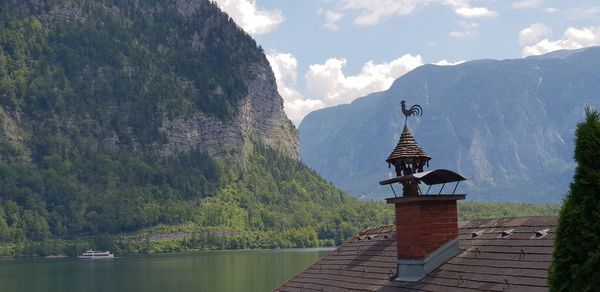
(213, 271)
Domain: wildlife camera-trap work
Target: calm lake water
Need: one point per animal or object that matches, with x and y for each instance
(215, 271)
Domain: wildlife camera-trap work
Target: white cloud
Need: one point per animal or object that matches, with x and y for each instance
(373, 11)
(332, 18)
(585, 12)
(468, 25)
(330, 84)
(573, 38)
(468, 29)
(461, 34)
(445, 62)
(534, 33)
(253, 20)
(551, 10)
(527, 4)
(285, 67)
(475, 12)
(297, 109)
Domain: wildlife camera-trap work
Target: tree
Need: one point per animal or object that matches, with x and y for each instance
(576, 262)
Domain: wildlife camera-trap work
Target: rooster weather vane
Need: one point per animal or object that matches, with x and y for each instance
(413, 111)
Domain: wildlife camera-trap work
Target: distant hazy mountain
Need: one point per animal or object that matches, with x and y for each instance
(508, 125)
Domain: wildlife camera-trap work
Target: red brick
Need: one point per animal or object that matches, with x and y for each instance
(423, 226)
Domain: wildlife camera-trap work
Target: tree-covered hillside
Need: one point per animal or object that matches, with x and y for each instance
(94, 68)
(85, 89)
(91, 194)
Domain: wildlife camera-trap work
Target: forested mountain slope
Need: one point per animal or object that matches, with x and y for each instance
(165, 76)
(507, 124)
(121, 115)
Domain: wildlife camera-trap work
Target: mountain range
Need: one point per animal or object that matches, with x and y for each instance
(508, 125)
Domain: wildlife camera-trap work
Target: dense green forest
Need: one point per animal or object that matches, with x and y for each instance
(478, 210)
(103, 195)
(120, 66)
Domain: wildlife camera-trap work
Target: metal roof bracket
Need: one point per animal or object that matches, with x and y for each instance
(442, 188)
(456, 186)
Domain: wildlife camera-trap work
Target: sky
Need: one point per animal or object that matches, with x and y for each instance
(330, 52)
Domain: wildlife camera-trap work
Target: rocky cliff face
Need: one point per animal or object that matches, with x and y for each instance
(164, 76)
(261, 119)
(12, 134)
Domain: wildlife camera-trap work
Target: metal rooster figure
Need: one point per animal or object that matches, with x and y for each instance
(414, 111)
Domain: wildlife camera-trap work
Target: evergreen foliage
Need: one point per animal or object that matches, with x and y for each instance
(576, 262)
(121, 66)
(477, 210)
(274, 202)
(92, 82)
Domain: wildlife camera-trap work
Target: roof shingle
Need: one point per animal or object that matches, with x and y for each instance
(407, 147)
(489, 262)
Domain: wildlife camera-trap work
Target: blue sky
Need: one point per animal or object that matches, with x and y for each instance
(330, 52)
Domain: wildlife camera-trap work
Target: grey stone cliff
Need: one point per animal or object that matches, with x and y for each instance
(261, 119)
(260, 115)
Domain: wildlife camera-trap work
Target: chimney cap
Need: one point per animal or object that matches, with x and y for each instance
(407, 149)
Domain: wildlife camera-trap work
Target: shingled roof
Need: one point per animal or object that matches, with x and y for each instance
(407, 147)
(495, 255)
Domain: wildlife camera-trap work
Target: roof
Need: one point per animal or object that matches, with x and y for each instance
(432, 177)
(407, 147)
(487, 261)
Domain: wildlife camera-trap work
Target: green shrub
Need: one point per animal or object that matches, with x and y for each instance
(576, 257)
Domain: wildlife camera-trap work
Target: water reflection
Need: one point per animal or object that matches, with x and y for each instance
(248, 270)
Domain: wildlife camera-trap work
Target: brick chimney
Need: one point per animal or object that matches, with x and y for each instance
(426, 233)
(426, 225)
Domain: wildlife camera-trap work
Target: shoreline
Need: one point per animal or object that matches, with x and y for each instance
(135, 255)
(19, 257)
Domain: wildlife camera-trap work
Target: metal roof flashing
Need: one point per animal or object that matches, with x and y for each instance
(410, 270)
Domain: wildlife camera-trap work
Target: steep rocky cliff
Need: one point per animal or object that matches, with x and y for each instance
(160, 76)
(260, 119)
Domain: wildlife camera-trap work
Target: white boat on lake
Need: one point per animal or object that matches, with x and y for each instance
(96, 255)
